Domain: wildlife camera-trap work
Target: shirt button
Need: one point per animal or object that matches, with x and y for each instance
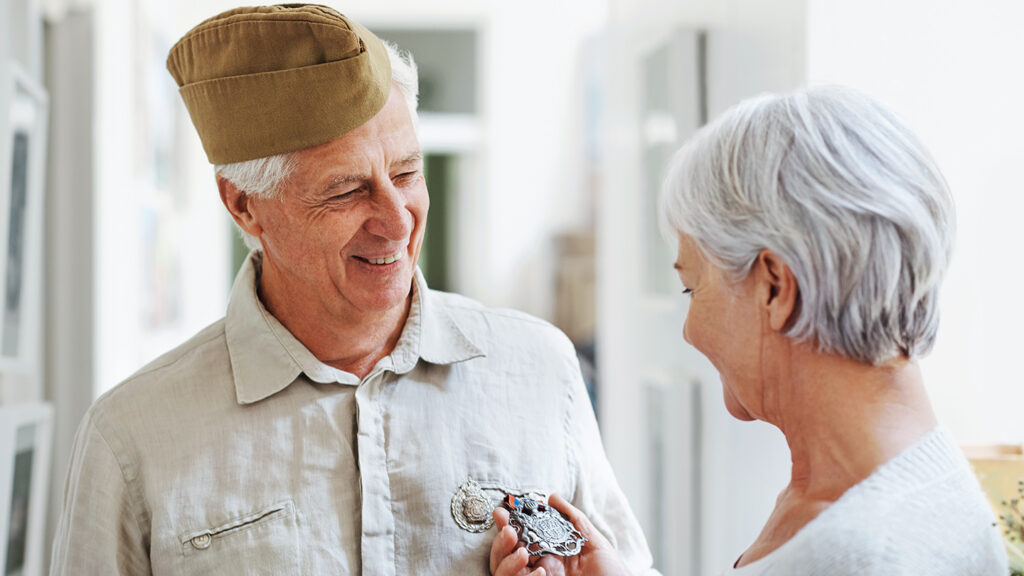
(202, 542)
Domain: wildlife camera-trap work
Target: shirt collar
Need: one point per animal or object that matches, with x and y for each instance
(266, 357)
(440, 341)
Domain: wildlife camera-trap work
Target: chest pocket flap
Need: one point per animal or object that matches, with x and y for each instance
(263, 542)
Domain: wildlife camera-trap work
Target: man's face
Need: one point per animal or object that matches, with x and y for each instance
(348, 226)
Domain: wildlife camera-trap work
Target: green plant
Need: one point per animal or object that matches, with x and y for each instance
(1012, 519)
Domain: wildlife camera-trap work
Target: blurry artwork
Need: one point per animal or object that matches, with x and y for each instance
(23, 115)
(17, 525)
(15, 245)
(25, 431)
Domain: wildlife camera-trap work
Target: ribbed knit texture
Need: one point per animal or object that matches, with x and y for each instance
(922, 513)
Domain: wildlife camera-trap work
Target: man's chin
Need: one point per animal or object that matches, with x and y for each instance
(385, 296)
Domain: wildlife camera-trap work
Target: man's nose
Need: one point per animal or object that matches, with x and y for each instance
(391, 216)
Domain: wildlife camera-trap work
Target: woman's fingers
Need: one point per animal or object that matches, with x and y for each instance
(500, 516)
(580, 521)
(502, 546)
(515, 565)
(553, 565)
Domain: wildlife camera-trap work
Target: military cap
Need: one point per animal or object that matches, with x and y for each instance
(268, 80)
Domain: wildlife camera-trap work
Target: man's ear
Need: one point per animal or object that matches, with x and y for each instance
(239, 204)
(778, 291)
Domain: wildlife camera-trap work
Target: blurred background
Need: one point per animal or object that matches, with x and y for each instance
(546, 128)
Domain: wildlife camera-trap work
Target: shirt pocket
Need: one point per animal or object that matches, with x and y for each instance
(263, 542)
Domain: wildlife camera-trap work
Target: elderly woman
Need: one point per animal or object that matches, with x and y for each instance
(813, 233)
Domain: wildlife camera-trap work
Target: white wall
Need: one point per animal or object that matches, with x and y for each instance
(952, 70)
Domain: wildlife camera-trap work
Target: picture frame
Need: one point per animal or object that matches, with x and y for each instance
(25, 435)
(24, 106)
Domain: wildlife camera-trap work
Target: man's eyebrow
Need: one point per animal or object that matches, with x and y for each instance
(413, 158)
(340, 181)
(677, 266)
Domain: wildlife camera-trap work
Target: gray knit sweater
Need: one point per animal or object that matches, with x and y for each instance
(920, 514)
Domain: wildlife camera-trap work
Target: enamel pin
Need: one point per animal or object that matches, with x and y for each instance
(543, 529)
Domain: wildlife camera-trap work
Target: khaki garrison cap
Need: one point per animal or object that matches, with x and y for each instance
(269, 80)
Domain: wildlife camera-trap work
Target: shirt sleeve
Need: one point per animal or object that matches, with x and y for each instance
(98, 531)
(597, 492)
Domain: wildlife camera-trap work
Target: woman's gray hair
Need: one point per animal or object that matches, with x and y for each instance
(844, 193)
(263, 177)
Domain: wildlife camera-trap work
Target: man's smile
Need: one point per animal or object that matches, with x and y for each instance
(382, 260)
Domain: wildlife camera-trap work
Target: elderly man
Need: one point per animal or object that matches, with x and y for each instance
(342, 418)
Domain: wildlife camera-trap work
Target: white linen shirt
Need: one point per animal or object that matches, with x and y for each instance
(240, 453)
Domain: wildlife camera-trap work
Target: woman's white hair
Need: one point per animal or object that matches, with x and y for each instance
(264, 177)
(844, 193)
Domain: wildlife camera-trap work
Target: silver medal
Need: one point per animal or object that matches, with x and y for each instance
(543, 529)
(471, 507)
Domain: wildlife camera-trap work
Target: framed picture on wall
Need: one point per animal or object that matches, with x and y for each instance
(25, 431)
(23, 132)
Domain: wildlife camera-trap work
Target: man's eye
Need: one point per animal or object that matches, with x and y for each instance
(406, 177)
(343, 195)
(687, 291)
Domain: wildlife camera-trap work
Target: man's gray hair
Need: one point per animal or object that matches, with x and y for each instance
(263, 177)
(844, 193)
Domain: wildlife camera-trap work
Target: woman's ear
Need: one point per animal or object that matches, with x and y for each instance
(777, 284)
(239, 205)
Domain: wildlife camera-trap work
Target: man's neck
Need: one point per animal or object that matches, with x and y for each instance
(349, 340)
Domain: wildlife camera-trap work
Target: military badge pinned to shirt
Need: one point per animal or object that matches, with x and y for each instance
(471, 507)
(543, 529)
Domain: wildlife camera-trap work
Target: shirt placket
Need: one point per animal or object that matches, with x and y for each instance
(378, 529)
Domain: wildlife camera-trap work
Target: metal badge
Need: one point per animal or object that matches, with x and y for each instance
(471, 507)
(543, 529)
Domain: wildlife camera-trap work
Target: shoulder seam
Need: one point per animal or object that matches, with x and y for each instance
(129, 485)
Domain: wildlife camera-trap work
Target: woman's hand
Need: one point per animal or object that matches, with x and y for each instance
(597, 558)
